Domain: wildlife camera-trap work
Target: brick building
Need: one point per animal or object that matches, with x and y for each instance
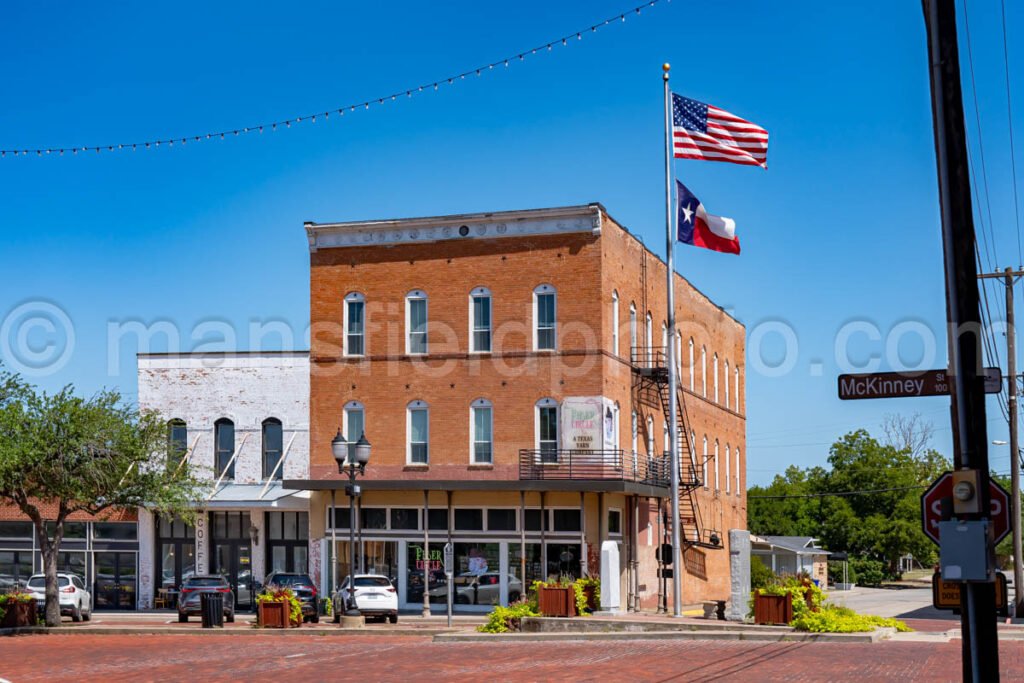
(509, 368)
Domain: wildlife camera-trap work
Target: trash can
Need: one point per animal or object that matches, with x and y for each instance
(212, 608)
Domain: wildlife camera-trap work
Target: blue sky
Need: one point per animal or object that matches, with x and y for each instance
(843, 226)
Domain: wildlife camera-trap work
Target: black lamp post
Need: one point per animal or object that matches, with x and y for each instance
(353, 466)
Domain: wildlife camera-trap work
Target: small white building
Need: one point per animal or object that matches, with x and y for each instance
(242, 421)
(792, 555)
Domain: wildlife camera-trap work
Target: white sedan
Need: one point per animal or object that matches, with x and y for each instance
(75, 601)
(375, 597)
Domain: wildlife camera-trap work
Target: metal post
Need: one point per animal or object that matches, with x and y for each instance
(980, 651)
(426, 553)
(353, 607)
(583, 534)
(334, 547)
(522, 543)
(543, 541)
(677, 593)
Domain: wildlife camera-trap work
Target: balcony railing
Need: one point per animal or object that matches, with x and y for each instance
(617, 465)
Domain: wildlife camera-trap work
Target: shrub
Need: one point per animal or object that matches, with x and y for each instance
(835, 572)
(760, 574)
(581, 598)
(505, 619)
(869, 572)
(835, 619)
(284, 595)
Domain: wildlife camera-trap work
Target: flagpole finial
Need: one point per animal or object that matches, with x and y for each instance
(665, 67)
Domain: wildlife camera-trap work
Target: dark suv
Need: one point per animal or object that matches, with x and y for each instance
(189, 603)
(303, 587)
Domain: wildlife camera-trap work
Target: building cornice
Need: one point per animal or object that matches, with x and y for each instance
(492, 225)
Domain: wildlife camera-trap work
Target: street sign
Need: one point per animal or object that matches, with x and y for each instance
(946, 594)
(931, 507)
(449, 558)
(908, 384)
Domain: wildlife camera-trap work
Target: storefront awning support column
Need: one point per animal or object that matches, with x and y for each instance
(543, 541)
(426, 553)
(583, 534)
(522, 541)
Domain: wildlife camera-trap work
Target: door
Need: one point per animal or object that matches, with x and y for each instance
(233, 561)
(114, 582)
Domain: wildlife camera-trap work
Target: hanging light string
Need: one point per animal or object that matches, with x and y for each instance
(338, 111)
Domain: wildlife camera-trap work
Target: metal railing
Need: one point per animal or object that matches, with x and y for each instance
(571, 464)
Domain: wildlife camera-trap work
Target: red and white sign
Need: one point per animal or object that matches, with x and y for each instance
(931, 507)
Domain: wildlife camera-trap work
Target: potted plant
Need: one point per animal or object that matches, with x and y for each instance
(591, 589)
(773, 605)
(278, 609)
(19, 609)
(556, 598)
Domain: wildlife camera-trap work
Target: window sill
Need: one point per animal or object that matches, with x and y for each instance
(416, 466)
(481, 466)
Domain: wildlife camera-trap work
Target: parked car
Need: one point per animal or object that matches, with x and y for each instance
(480, 589)
(75, 601)
(375, 597)
(303, 587)
(190, 603)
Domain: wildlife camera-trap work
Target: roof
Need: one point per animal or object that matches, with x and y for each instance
(258, 496)
(800, 545)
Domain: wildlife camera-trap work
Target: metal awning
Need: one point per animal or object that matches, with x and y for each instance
(275, 496)
(571, 485)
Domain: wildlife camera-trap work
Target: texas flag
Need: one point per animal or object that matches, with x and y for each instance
(698, 228)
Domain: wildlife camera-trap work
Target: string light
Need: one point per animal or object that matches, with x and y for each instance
(341, 110)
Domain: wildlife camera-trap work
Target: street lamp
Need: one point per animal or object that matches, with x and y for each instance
(353, 466)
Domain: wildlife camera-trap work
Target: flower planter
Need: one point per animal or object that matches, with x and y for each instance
(773, 609)
(590, 594)
(556, 601)
(272, 614)
(18, 614)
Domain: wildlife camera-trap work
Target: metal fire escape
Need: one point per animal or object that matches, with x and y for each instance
(650, 392)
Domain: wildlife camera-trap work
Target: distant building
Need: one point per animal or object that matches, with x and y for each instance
(792, 555)
(509, 371)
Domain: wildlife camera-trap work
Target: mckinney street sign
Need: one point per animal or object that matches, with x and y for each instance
(908, 384)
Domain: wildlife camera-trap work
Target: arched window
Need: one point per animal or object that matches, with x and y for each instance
(416, 322)
(736, 388)
(224, 448)
(718, 485)
(481, 431)
(704, 370)
(544, 315)
(418, 429)
(546, 429)
(273, 446)
(480, 320)
(736, 473)
(693, 368)
(615, 322)
(632, 332)
(355, 324)
(355, 425)
(704, 463)
(725, 376)
(714, 363)
(728, 465)
(649, 339)
(177, 443)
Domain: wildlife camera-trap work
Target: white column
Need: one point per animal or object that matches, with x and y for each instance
(147, 554)
(259, 552)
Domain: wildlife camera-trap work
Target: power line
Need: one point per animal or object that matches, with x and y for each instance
(1009, 120)
(564, 41)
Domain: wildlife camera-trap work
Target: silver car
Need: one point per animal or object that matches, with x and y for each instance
(75, 600)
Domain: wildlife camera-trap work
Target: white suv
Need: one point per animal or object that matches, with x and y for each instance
(375, 597)
(75, 601)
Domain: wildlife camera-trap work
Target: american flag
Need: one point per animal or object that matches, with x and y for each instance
(701, 131)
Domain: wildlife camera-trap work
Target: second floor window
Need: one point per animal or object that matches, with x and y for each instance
(416, 321)
(483, 426)
(544, 316)
(419, 433)
(355, 325)
(177, 443)
(224, 448)
(480, 320)
(355, 425)
(273, 445)
(547, 430)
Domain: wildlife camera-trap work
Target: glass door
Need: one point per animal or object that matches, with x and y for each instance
(115, 578)
(233, 561)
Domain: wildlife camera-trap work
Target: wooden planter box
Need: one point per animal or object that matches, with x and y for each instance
(18, 614)
(773, 609)
(274, 615)
(556, 602)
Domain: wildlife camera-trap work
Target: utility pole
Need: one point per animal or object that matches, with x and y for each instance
(980, 647)
(1009, 276)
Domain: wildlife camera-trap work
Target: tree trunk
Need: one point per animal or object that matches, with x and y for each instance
(49, 552)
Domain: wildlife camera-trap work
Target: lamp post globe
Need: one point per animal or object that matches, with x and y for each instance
(363, 449)
(339, 448)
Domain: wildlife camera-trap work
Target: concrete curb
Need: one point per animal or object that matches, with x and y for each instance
(791, 636)
(144, 631)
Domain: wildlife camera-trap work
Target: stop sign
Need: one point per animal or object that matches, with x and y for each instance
(931, 507)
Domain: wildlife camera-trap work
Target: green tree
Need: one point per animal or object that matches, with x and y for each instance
(70, 454)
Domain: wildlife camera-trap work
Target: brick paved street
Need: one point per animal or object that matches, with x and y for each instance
(213, 657)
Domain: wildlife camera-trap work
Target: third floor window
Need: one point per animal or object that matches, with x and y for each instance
(355, 325)
(416, 321)
(480, 320)
(544, 316)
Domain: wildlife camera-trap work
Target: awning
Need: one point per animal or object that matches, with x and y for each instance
(244, 496)
(565, 485)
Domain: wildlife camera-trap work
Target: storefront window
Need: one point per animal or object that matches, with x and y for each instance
(502, 520)
(115, 531)
(16, 530)
(71, 530)
(563, 560)
(533, 569)
(420, 564)
(405, 519)
(15, 568)
(567, 520)
(469, 520)
(374, 518)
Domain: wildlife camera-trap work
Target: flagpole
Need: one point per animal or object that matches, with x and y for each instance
(670, 353)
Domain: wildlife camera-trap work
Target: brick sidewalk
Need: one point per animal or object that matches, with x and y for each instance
(24, 659)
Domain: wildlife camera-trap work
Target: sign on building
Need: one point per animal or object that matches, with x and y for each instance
(588, 424)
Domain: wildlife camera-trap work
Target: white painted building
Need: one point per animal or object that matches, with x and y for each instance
(242, 421)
